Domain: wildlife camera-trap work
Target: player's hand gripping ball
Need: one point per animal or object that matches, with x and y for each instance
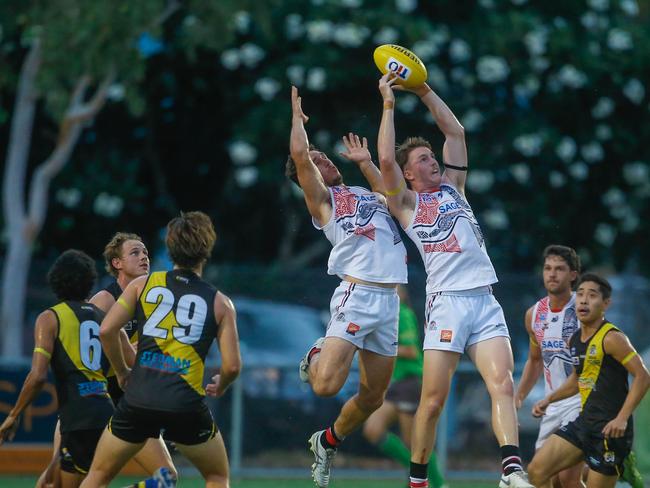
(408, 68)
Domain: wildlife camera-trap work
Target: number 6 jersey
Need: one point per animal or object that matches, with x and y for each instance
(176, 326)
(78, 366)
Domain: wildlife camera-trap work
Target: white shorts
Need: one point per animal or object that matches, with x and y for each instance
(557, 415)
(456, 320)
(367, 316)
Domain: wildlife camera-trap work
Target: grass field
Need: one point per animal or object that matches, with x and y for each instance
(28, 482)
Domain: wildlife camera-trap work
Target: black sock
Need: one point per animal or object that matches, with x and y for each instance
(418, 475)
(510, 459)
(329, 439)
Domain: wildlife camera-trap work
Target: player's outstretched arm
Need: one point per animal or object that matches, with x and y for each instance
(228, 342)
(45, 331)
(401, 200)
(311, 181)
(533, 367)
(109, 333)
(619, 347)
(356, 150)
(454, 150)
(565, 390)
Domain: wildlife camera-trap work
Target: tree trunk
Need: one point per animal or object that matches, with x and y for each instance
(24, 225)
(18, 255)
(14, 288)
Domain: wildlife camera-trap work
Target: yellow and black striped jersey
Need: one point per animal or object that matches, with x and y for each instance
(602, 380)
(78, 365)
(175, 313)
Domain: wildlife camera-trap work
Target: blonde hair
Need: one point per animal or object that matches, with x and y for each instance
(113, 250)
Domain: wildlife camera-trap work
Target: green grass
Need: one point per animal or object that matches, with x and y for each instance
(28, 482)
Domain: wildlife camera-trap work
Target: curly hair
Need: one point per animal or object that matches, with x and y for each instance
(72, 276)
(113, 250)
(190, 239)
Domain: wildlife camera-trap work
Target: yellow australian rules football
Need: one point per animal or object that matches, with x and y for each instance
(407, 66)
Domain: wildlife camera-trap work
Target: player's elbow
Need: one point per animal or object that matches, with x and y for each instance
(104, 333)
(645, 380)
(386, 159)
(456, 131)
(232, 369)
(38, 378)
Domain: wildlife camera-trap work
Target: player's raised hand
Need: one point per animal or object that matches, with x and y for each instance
(539, 409)
(356, 149)
(8, 429)
(615, 428)
(296, 106)
(386, 86)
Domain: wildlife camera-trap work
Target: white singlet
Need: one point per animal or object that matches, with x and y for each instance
(366, 241)
(450, 242)
(553, 329)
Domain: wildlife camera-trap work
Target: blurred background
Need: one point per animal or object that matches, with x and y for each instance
(116, 115)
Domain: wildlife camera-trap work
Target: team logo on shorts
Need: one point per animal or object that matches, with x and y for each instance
(340, 317)
(433, 325)
(609, 456)
(445, 335)
(352, 328)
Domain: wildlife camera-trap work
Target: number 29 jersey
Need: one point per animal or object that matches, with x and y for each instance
(175, 316)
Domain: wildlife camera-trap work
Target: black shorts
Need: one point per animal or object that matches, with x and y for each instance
(602, 455)
(114, 389)
(405, 394)
(136, 425)
(77, 450)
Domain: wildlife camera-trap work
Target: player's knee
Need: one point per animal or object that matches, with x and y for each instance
(325, 386)
(502, 384)
(431, 407)
(569, 477)
(536, 473)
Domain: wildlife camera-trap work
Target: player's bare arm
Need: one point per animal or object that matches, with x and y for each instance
(401, 200)
(103, 300)
(454, 150)
(534, 365)
(109, 333)
(45, 331)
(228, 342)
(356, 150)
(317, 195)
(566, 390)
(617, 345)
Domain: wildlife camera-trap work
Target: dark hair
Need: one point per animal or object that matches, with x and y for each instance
(568, 254)
(113, 250)
(190, 239)
(290, 170)
(404, 149)
(603, 284)
(72, 276)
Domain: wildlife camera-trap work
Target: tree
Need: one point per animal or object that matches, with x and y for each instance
(68, 44)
